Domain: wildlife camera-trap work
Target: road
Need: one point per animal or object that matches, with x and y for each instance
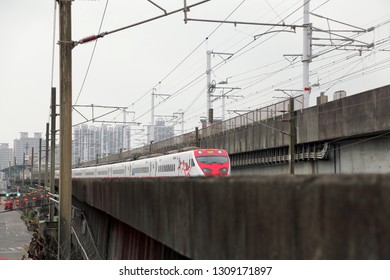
(14, 236)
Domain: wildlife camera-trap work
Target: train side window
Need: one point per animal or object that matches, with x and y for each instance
(192, 163)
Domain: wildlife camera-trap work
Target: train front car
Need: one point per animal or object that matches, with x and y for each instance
(213, 162)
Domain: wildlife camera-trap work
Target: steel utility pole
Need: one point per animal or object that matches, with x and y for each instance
(65, 186)
(32, 166)
(209, 88)
(151, 133)
(47, 156)
(24, 162)
(306, 57)
(39, 161)
(181, 116)
(293, 136)
(123, 130)
(52, 149)
(15, 171)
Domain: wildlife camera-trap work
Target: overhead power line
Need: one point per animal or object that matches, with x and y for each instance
(93, 52)
(101, 35)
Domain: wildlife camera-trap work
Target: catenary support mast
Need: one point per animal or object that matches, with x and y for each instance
(306, 57)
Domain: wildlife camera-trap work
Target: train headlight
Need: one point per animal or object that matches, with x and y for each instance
(206, 170)
(223, 170)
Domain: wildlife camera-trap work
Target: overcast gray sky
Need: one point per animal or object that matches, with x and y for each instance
(170, 56)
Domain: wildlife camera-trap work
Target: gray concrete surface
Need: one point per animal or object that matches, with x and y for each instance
(252, 217)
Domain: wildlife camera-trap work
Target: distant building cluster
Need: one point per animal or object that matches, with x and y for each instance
(24, 153)
(161, 131)
(91, 142)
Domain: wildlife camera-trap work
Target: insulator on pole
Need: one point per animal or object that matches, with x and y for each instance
(91, 38)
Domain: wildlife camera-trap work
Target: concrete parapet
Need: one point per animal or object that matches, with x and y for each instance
(256, 217)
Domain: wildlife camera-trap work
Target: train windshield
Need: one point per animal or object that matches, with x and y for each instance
(212, 159)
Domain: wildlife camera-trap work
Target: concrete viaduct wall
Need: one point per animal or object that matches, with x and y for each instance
(257, 217)
(361, 114)
(252, 138)
(354, 129)
(356, 155)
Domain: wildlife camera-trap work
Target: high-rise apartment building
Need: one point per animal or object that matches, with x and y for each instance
(91, 142)
(24, 145)
(5, 158)
(161, 131)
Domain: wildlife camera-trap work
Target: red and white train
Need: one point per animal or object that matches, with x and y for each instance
(198, 162)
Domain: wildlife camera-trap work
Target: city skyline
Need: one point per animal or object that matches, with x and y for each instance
(89, 142)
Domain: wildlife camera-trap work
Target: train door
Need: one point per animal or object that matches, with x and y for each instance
(154, 169)
(128, 171)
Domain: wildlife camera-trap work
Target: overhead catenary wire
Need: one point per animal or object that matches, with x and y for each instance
(103, 34)
(351, 74)
(270, 89)
(287, 81)
(181, 62)
(177, 92)
(298, 76)
(92, 55)
(252, 81)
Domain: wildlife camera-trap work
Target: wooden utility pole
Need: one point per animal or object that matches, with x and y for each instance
(32, 167)
(52, 149)
(293, 136)
(24, 162)
(15, 171)
(65, 185)
(39, 161)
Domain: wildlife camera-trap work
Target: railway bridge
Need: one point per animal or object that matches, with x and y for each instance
(307, 216)
(347, 135)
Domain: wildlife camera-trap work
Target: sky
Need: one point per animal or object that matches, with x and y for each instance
(168, 58)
